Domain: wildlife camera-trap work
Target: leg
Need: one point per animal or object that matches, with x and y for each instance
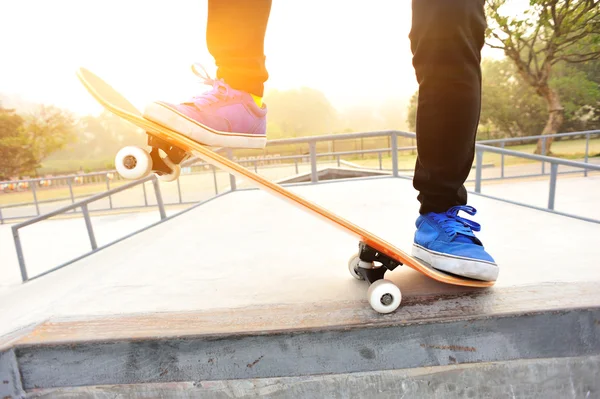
(446, 41)
(235, 35)
(232, 113)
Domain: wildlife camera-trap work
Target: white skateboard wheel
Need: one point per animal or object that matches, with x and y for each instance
(133, 162)
(384, 296)
(353, 265)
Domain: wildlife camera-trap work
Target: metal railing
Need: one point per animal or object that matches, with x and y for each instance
(480, 148)
(105, 177)
(312, 158)
(84, 206)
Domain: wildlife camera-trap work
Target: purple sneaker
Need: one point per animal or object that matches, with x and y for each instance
(221, 117)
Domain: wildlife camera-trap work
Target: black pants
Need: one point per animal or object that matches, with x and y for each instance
(446, 41)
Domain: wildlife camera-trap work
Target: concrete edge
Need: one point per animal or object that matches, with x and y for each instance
(556, 334)
(544, 378)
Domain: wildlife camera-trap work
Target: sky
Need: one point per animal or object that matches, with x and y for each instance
(355, 54)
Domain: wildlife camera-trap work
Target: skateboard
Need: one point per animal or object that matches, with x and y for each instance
(374, 257)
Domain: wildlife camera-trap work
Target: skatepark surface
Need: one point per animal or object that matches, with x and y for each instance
(248, 286)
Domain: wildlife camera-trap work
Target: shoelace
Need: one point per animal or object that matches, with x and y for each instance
(454, 224)
(219, 91)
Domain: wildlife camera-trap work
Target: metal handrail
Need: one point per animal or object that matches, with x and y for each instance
(83, 204)
(540, 136)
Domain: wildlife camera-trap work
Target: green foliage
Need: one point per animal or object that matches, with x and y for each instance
(13, 145)
(512, 108)
(509, 108)
(547, 34)
(306, 112)
(411, 119)
(99, 138)
(26, 140)
(299, 112)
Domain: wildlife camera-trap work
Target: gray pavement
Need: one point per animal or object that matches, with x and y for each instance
(249, 263)
(574, 194)
(208, 257)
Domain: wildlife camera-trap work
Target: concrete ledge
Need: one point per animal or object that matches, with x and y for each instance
(294, 341)
(574, 377)
(466, 304)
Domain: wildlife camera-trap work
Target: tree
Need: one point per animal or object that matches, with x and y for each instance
(509, 108)
(411, 118)
(300, 112)
(547, 33)
(100, 138)
(48, 129)
(26, 141)
(14, 155)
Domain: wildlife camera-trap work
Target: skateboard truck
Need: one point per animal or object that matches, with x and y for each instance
(366, 266)
(133, 162)
(384, 296)
(175, 154)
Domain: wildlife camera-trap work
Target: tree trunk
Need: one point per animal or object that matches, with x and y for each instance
(556, 116)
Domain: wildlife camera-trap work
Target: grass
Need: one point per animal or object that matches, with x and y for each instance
(45, 194)
(66, 166)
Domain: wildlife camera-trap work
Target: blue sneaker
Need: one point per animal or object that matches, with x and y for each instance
(446, 242)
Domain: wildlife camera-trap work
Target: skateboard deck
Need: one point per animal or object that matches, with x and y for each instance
(372, 248)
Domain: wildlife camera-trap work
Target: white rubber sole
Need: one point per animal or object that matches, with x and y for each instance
(478, 270)
(174, 120)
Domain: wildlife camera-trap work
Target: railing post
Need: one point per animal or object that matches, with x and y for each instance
(145, 195)
(35, 200)
(543, 153)
(110, 204)
(312, 148)
(380, 161)
(338, 161)
(296, 165)
(394, 149)
(88, 225)
(587, 151)
(478, 164)
(214, 170)
(551, 195)
(502, 162)
(1, 218)
(159, 200)
(20, 256)
(232, 181)
(179, 191)
(70, 183)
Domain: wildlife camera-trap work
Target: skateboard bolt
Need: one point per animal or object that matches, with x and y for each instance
(387, 299)
(129, 162)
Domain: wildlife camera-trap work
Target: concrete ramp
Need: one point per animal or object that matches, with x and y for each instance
(249, 296)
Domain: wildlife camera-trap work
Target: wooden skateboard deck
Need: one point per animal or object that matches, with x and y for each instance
(373, 248)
